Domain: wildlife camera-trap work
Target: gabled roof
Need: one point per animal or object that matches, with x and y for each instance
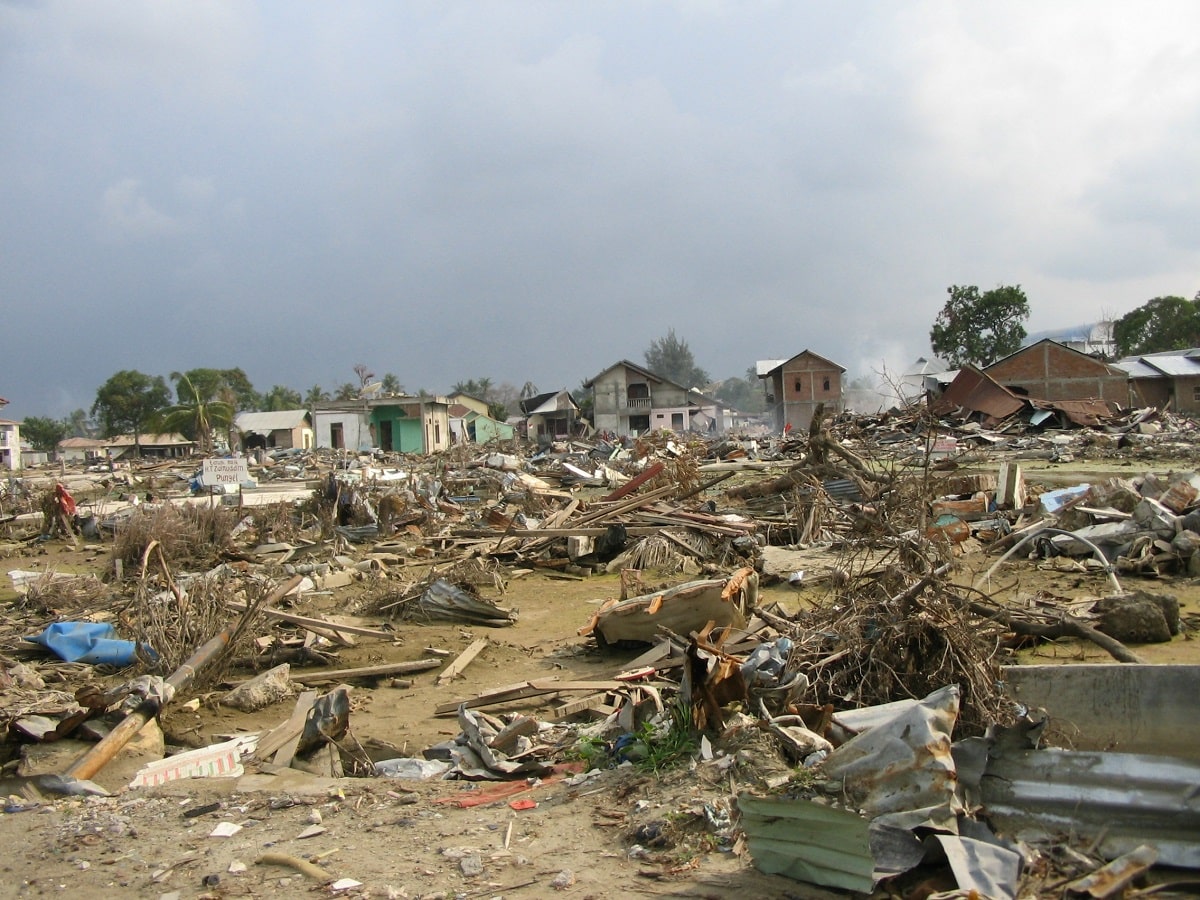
(266, 422)
(81, 443)
(806, 353)
(1059, 345)
(548, 403)
(477, 399)
(645, 373)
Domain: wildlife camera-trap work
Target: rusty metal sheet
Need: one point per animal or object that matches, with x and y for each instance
(973, 391)
(1080, 412)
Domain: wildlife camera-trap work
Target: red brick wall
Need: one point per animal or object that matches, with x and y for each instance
(1048, 371)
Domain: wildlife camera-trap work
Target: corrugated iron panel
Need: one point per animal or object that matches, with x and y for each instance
(974, 391)
(1122, 799)
(843, 490)
(1081, 412)
(808, 841)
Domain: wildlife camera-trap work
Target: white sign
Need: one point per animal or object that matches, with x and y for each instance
(224, 471)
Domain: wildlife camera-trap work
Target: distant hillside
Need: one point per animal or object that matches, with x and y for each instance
(1070, 333)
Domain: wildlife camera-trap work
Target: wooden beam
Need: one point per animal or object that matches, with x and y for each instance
(523, 691)
(419, 665)
(283, 740)
(464, 659)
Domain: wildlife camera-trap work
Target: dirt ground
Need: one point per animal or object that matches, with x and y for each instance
(620, 833)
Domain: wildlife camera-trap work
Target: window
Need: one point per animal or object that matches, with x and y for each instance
(826, 387)
(1196, 393)
(799, 385)
(677, 421)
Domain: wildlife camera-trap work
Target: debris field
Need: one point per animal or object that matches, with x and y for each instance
(796, 666)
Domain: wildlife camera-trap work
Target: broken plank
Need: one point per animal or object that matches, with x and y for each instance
(419, 665)
(279, 735)
(305, 621)
(464, 659)
(524, 691)
(506, 739)
(285, 754)
(566, 710)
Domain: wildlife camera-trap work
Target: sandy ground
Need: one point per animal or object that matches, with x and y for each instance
(423, 839)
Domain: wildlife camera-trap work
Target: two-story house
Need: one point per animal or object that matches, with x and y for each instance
(796, 386)
(630, 400)
(10, 445)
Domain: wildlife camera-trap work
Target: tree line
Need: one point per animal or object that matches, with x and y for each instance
(973, 327)
(980, 327)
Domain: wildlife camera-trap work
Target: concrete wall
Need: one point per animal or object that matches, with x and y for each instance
(612, 407)
(1123, 707)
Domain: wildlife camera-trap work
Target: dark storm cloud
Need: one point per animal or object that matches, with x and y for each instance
(529, 192)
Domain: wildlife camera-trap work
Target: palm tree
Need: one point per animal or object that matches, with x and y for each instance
(197, 413)
(281, 397)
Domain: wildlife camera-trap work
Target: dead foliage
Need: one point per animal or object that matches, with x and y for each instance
(177, 619)
(679, 459)
(52, 594)
(197, 534)
(896, 633)
(276, 522)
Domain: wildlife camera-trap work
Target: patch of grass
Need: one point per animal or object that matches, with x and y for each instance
(671, 743)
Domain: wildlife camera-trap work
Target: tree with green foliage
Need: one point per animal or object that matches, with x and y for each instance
(585, 399)
(743, 394)
(280, 397)
(670, 358)
(391, 384)
(347, 391)
(129, 402)
(227, 385)
(315, 394)
(476, 387)
(1164, 323)
(79, 425)
(199, 410)
(979, 328)
(43, 433)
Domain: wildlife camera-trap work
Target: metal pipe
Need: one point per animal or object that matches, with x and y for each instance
(1096, 551)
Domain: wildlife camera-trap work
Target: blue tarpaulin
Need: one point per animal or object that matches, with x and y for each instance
(90, 642)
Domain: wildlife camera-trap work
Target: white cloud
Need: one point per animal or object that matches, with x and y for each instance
(126, 214)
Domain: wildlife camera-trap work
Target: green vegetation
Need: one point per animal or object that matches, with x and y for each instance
(1164, 323)
(979, 328)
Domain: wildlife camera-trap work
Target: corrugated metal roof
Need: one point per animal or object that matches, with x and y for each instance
(809, 842)
(1175, 365)
(1136, 368)
(1122, 800)
(974, 391)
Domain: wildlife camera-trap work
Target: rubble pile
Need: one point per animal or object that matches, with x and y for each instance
(791, 623)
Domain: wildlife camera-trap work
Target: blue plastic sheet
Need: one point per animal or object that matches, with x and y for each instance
(90, 642)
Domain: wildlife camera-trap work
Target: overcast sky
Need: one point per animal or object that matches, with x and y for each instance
(531, 191)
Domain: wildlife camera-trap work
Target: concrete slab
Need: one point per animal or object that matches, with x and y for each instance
(1122, 707)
